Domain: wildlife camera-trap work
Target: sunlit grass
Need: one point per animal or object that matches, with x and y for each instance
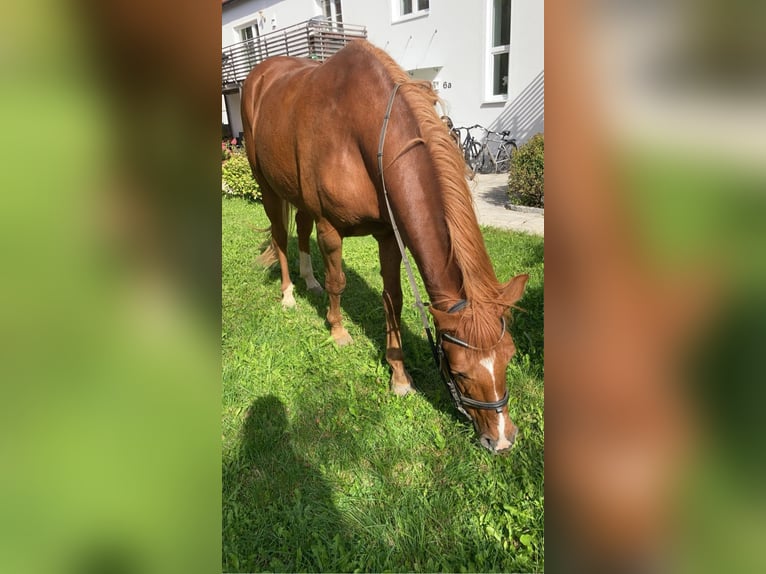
(324, 469)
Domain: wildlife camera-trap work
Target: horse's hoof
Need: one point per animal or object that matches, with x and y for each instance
(342, 338)
(402, 386)
(316, 290)
(288, 301)
(402, 390)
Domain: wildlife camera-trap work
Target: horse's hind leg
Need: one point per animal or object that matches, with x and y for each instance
(390, 265)
(305, 224)
(278, 211)
(331, 244)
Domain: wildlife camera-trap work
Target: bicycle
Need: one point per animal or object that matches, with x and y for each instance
(470, 147)
(499, 160)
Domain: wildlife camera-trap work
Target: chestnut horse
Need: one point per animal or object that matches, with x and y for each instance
(312, 132)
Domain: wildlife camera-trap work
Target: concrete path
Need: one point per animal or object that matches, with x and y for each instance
(490, 194)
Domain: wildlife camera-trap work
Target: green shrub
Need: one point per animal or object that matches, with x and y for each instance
(526, 181)
(237, 178)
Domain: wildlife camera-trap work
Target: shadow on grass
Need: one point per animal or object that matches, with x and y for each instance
(527, 327)
(287, 531)
(362, 306)
(278, 513)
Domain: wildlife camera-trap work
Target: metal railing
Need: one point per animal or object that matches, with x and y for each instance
(316, 39)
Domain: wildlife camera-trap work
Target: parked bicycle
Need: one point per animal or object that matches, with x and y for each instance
(491, 154)
(496, 152)
(470, 146)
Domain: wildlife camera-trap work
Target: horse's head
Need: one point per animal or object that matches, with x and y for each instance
(475, 348)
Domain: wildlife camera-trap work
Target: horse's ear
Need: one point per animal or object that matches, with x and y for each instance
(445, 321)
(513, 290)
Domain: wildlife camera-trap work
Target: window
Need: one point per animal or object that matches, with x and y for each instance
(251, 33)
(409, 7)
(499, 47)
(252, 29)
(247, 33)
(331, 10)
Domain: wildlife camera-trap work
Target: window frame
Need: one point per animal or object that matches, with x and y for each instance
(400, 16)
(256, 23)
(335, 9)
(254, 43)
(492, 52)
(249, 27)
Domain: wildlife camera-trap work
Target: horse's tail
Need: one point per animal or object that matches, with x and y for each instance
(268, 256)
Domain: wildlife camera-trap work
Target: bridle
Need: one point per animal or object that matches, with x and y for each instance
(437, 349)
(459, 398)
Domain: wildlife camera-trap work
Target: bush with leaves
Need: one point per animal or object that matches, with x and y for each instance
(237, 178)
(526, 181)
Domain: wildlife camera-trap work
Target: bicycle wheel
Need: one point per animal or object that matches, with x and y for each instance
(471, 154)
(503, 160)
(483, 162)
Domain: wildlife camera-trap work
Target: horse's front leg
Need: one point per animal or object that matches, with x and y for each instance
(390, 264)
(331, 244)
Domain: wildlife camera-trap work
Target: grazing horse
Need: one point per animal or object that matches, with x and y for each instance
(313, 133)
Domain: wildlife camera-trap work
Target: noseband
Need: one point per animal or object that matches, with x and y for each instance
(440, 357)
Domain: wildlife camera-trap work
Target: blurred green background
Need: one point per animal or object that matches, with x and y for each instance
(109, 360)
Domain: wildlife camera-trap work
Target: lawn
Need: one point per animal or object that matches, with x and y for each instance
(324, 469)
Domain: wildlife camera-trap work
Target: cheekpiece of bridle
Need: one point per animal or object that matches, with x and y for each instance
(440, 357)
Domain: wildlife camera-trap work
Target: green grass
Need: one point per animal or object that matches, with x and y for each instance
(324, 469)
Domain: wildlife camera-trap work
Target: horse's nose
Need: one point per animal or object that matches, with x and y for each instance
(493, 445)
(502, 444)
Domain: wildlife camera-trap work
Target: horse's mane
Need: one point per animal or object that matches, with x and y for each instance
(480, 284)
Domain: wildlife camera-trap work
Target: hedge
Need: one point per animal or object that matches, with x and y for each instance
(526, 180)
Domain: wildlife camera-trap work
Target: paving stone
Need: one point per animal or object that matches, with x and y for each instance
(490, 196)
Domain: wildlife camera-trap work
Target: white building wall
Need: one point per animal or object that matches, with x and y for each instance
(448, 45)
(269, 16)
(524, 112)
(444, 46)
(277, 14)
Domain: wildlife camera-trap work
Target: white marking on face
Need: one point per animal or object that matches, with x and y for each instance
(489, 364)
(502, 442)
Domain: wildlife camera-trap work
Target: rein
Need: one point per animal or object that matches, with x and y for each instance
(437, 350)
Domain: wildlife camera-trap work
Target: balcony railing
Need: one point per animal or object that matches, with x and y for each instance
(315, 39)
